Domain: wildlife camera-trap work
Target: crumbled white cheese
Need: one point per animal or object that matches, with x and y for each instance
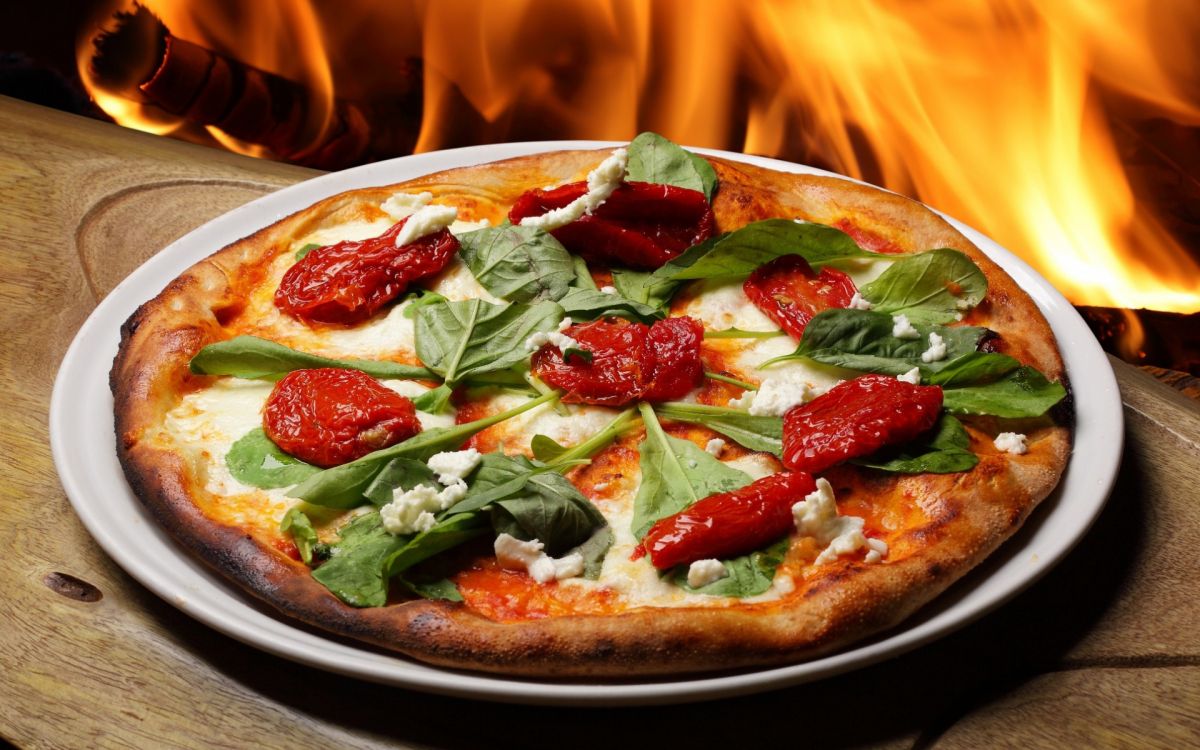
(958, 316)
(912, 376)
(817, 516)
(962, 304)
(778, 393)
(541, 338)
(1011, 442)
(936, 350)
(452, 467)
(404, 204)
(564, 324)
(704, 572)
(902, 329)
(514, 554)
(412, 511)
(743, 401)
(608, 290)
(601, 181)
(858, 303)
(715, 446)
(426, 221)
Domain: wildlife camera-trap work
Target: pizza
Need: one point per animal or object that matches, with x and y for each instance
(595, 413)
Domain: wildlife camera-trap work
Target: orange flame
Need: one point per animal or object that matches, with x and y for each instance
(999, 112)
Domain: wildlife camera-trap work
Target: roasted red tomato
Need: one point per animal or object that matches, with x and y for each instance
(329, 416)
(348, 282)
(641, 225)
(856, 418)
(790, 293)
(728, 524)
(629, 361)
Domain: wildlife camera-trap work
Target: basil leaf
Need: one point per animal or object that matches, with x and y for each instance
(306, 250)
(737, 333)
(755, 433)
(420, 299)
(583, 277)
(972, 368)
(518, 263)
(447, 533)
(583, 355)
(255, 460)
(441, 589)
(434, 401)
(739, 252)
(590, 304)
(946, 451)
(460, 339)
(355, 569)
(343, 486)
(653, 158)
(405, 473)
(863, 340)
(655, 289)
(546, 448)
(302, 531)
(749, 575)
(1024, 392)
(252, 357)
(593, 552)
(928, 287)
(675, 474)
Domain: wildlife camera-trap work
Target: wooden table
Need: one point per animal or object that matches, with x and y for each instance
(1104, 651)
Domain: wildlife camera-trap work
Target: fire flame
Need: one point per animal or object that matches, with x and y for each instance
(998, 112)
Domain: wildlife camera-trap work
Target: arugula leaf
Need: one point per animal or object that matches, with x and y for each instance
(675, 474)
(460, 339)
(443, 588)
(653, 158)
(302, 531)
(518, 263)
(928, 287)
(434, 401)
(306, 250)
(251, 357)
(749, 575)
(946, 451)
(1024, 392)
(406, 473)
(590, 304)
(343, 486)
(755, 433)
(355, 569)
(255, 460)
(863, 340)
(739, 252)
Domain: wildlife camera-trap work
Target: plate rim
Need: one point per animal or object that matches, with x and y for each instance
(1086, 366)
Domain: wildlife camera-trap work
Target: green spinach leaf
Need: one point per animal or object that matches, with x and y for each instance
(405, 473)
(434, 401)
(675, 474)
(303, 534)
(251, 357)
(447, 533)
(583, 277)
(460, 339)
(255, 460)
(518, 263)
(928, 287)
(590, 304)
(749, 575)
(1024, 392)
(593, 552)
(946, 451)
(653, 158)
(355, 570)
(755, 433)
(442, 588)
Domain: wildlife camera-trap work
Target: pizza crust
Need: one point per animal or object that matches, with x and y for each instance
(968, 515)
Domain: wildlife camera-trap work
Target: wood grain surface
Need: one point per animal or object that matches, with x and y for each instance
(1102, 652)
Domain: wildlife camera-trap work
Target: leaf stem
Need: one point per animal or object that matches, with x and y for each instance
(732, 381)
(737, 333)
(595, 443)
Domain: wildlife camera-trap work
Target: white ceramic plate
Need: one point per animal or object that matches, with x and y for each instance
(82, 439)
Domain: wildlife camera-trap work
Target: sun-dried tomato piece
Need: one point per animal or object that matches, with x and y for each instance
(641, 225)
(329, 416)
(677, 369)
(856, 418)
(790, 293)
(629, 361)
(730, 523)
(349, 281)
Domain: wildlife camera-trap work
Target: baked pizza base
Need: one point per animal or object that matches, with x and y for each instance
(962, 517)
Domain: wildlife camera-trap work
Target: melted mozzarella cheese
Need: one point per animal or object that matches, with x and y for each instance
(722, 304)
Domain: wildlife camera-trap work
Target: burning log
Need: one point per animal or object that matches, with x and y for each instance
(1148, 337)
(140, 59)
